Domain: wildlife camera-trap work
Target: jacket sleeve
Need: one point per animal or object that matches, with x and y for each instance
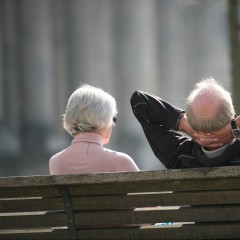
(158, 119)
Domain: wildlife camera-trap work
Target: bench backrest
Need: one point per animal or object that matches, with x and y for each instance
(170, 204)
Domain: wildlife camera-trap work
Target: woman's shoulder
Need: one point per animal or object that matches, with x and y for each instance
(116, 153)
(124, 161)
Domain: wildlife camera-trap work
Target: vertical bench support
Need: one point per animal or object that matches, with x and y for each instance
(70, 214)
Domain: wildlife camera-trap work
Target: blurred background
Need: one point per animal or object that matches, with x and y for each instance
(48, 48)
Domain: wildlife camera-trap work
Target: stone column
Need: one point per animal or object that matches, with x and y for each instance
(57, 138)
(10, 85)
(91, 46)
(136, 68)
(37, 73)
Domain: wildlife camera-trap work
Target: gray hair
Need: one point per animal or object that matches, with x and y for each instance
(89, 109)
(224, 113)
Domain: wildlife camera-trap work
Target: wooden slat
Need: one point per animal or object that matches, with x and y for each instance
(210, 231)
(123, 188)
(33, 220)
(141, 216)
(35, 234)
(154, 186)
(156, 199)
(17, 192)
(123, 201)
(30, 204)
(172, 175)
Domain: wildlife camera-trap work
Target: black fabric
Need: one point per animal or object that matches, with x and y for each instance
(158, 119)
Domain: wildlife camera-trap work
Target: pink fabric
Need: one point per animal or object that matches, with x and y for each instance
(86, 154)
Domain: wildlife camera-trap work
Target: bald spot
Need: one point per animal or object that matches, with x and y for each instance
(205, 105)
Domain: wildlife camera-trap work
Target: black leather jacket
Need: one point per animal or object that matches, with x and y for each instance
(158, 119)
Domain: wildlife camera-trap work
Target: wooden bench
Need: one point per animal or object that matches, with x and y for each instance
(184, 204)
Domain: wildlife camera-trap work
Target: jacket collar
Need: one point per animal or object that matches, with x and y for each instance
(229, 153)
(88, 137)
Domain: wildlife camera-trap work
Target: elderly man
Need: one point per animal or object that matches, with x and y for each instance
(213, 136)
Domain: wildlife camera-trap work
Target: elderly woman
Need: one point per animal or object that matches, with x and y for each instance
(89, 117)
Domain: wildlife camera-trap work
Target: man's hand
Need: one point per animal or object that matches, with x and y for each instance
(221, 137)
(209, 140)
(215, 139)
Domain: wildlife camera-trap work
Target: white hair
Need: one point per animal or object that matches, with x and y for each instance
(89, 109)
(225, 111)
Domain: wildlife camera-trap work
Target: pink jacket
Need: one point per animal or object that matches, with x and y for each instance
(86, 154)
